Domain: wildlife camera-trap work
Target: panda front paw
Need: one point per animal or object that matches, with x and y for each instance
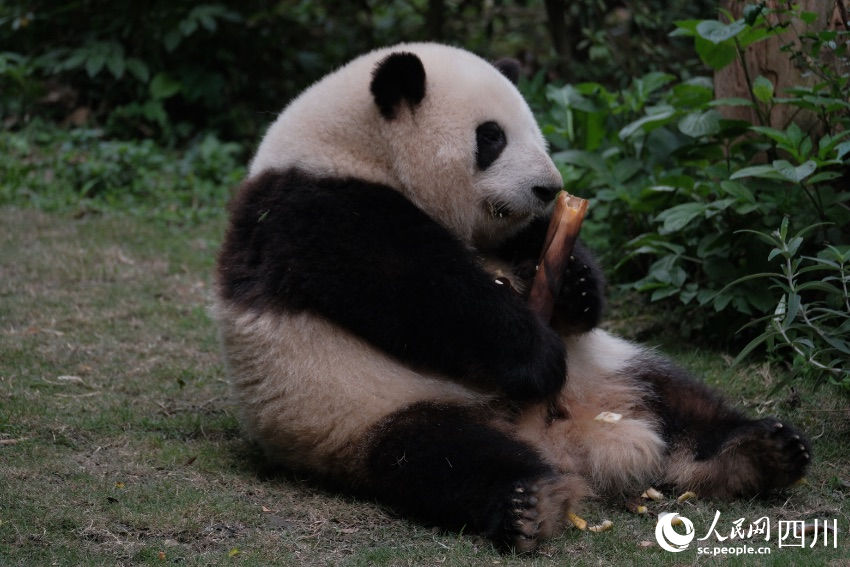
(579, 305)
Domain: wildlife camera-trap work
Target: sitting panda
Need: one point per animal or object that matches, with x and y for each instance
(373, 342)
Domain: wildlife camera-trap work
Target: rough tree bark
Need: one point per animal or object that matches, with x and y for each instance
(766, 58)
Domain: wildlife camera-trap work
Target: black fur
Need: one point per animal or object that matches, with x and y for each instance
(364, 257)
(581, 301)
(398, 77)
(509, 67)
(490, 142)
(445, 465)
(750, 456)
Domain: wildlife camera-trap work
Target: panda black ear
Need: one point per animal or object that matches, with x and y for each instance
(398, 77)
(509, 67)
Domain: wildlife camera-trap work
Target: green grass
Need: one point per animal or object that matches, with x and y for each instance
(119, 445)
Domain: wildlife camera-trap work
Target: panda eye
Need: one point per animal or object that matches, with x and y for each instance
(490, 140)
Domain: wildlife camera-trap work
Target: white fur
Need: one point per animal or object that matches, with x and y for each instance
(612, 456)
(307, 389)
(334, 128)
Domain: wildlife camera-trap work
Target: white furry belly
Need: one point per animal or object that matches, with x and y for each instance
(308, 390)
(611, 455)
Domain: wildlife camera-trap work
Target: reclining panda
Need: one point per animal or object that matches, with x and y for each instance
(372, 343)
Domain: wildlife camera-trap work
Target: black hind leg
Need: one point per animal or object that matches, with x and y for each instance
(447, 466)
(716, 450)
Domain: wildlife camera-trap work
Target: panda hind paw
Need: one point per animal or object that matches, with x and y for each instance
(779, 451)
(791, 452)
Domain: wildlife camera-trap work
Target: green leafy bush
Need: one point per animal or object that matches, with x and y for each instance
(81, 170)
(673, 183)
(812, 318)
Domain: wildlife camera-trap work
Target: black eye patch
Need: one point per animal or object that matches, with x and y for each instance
(490, 140)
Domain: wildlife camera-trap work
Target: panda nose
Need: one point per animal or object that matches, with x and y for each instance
(546, 194)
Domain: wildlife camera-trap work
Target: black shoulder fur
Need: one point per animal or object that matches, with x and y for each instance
(363, 256)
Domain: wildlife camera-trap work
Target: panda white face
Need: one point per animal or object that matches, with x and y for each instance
(470, 152)
(444, 127)
(515, 177)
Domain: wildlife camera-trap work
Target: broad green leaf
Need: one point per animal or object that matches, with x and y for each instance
(817, 286)
(738, 190)
(842, 150)
(753, 35)
(115, 62)
(172, 39)
(95, 61)
(647, 122)
(795, 136)
(795, 174)
(685, 28)
(763, 171)
(752, 12)
(828, 143)
(700, 124)
(689, 95)
(650, 83)
(823, 176)
(164, 86)
(662, 293)
(587, 160)
(805, 148)
(676, 218)
(718, 32)
(138, 69)
(625, 169)
(763, 89)
(809, 17)
(778, 136)
(715, 55)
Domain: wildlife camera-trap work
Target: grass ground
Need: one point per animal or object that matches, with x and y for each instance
(118, 445)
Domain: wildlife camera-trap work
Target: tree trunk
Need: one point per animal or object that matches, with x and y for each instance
(435, 19)
(766, 58)
(556, 11)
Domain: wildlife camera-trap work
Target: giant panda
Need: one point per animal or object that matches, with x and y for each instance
(371, 306)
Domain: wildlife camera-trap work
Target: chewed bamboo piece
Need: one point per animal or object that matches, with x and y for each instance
(560, 239)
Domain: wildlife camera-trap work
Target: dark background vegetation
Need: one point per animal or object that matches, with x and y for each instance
(171, 70)
(153, 108)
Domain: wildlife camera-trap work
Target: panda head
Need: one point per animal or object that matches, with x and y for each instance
(446, 128)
